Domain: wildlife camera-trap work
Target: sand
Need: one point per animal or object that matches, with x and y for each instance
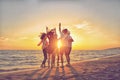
(97, 69)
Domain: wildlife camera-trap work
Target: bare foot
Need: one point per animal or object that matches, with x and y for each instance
(68, 65)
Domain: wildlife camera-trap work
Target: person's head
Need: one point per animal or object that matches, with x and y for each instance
(43, 36)
(65, 31)
(53, 30)
(50, 33)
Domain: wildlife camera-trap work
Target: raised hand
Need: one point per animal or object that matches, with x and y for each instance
(46, 29)
(60, 27)
(55, 30)
(59, 24)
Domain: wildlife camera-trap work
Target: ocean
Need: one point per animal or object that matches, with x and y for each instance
(11, 60)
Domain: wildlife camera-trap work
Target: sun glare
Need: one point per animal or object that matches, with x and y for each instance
(59, 44)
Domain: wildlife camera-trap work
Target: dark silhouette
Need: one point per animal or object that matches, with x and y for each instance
(44, 43)
(67, 40)
(52, 48)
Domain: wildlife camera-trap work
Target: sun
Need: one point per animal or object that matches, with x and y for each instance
(59, 44)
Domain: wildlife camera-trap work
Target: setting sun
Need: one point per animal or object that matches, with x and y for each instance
(59, 39)
(59, 44)
(90, 29)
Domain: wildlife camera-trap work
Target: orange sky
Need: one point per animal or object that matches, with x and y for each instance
(84, 34)
(92, 27)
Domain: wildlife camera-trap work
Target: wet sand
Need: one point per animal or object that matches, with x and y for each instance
(97, 69)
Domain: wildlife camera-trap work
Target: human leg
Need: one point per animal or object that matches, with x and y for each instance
(48, 60)
(67, 54)
(58, 58)
(53, 60)
(45, 58)
(61, 55)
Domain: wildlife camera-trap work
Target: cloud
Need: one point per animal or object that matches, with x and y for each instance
(82, 25)
(4, 39)
(86, 27)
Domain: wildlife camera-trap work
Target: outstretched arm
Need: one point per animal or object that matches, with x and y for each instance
(39, 43)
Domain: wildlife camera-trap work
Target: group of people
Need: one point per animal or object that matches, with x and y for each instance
(49, 41)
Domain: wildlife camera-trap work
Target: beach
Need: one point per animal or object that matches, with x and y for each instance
(82, 34)
(107, 68)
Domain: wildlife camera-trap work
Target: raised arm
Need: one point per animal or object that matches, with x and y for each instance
(55, 31)
(47, 32)
(46, 29)
(60, 27)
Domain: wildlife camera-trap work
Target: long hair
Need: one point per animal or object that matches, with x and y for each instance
(65, 31)
(43, 36)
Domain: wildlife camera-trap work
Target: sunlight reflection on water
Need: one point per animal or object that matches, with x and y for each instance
(32, 58)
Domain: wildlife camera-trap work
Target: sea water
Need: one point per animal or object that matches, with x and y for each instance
(21, 59)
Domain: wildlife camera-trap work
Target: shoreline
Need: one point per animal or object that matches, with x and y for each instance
(5, 71)
(106, 68)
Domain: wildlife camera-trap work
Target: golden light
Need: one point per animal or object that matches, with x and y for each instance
(59, 44)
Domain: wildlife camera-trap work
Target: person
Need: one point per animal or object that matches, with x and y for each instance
(44, 43)
(67, 40)
(52, 36)
(68, 48)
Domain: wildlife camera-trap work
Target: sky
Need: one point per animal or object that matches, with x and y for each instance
(94, 24)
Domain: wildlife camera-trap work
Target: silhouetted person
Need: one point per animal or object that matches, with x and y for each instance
(44, 43)
(52, 36)
(66, 40)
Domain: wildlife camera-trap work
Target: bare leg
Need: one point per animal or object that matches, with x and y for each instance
(67, 54)
(67, 58)
(61, 55)
(58, 57)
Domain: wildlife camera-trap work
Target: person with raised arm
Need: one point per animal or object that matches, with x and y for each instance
(52, 36)
(66, 47)
(61, 51)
